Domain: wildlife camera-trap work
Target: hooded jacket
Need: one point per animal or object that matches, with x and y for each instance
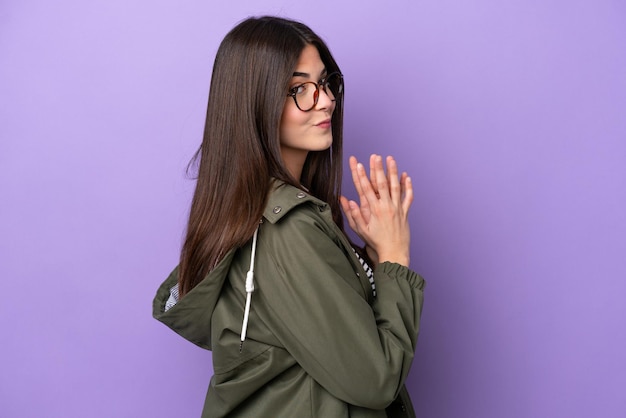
(319, 344)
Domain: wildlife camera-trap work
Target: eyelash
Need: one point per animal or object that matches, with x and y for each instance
(293, 88)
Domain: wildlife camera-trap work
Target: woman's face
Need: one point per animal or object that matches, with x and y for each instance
(301, 132)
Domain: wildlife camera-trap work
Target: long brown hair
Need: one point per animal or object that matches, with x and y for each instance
(240, 151)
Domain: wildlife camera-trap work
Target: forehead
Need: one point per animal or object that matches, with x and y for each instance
(310, 61)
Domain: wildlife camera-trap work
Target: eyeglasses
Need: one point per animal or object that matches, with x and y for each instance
(307, 94)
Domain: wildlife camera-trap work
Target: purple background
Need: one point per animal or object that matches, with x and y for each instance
(509, 115)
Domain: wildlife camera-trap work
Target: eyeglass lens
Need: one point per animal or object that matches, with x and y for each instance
(308, 93)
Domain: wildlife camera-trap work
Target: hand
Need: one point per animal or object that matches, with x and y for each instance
(381, 217)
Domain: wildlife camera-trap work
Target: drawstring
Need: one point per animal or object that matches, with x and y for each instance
(249, 290)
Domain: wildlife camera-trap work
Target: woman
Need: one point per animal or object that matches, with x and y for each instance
(267, 278)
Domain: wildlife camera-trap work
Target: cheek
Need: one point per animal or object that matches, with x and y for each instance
(291, 121)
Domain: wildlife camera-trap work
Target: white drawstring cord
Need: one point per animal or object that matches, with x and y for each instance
(249, 290)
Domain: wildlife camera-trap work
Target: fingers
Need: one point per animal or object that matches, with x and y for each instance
(380, 186)
(345, 206)
(355, 178)
(392, 178)
(353, 214)
(371, 197)
(373, 173)
(379, 180)
(407, 189)
(364, 204)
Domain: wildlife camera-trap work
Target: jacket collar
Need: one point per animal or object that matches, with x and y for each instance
(284, 197)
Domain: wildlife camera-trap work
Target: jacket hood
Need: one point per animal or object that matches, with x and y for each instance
(191, 316)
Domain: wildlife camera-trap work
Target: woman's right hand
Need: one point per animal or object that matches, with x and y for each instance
(380, 218)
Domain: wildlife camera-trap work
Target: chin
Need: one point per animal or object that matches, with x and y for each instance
(326, 143)
(323, 147)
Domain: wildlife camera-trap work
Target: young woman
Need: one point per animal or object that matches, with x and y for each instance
(298, 323)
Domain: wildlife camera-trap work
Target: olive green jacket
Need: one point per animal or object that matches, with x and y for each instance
(319, 343)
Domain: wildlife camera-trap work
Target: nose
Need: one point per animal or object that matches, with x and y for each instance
(324, 101)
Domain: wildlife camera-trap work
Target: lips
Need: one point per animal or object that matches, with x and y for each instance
(325, 124)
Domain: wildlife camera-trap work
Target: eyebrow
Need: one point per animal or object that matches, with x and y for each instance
(307, 75)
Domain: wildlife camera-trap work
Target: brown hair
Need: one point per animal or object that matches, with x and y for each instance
(240, 151)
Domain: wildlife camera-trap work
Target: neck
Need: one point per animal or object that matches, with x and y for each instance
(294, 161)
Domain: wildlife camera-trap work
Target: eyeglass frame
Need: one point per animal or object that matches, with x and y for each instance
(316, 95)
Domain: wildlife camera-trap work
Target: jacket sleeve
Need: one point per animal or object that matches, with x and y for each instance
(359, 353)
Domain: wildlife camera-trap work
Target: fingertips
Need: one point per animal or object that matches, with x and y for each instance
(403, 178)
(343, 201)
(347, 205)
(352, 161)
(381, 179)
(347, 210)
(373, 159)
(408, 194)
(355, 218)
(378, 162)
(360, 171)
(392, 176)
(373, 167)
(392, 166)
